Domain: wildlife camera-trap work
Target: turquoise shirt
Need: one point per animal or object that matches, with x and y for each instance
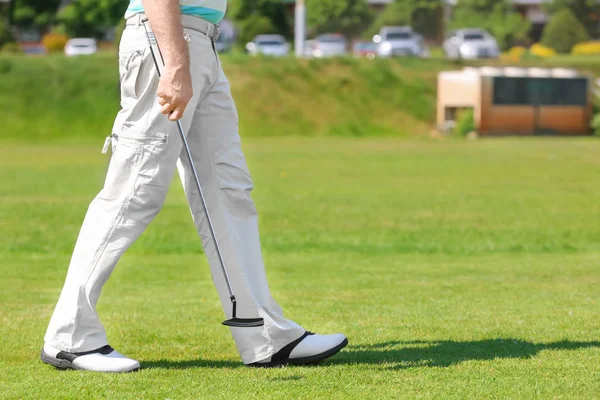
(211, 10)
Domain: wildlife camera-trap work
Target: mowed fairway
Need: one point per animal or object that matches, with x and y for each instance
(457, 270)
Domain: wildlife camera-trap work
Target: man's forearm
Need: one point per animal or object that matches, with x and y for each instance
(165, 20)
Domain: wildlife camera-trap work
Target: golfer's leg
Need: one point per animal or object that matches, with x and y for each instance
(215, 145)
(136, 184)
(145, 151)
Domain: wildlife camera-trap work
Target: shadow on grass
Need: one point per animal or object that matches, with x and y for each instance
(418, 353)
(410, 354)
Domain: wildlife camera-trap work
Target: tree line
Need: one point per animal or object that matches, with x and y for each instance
(353, 18)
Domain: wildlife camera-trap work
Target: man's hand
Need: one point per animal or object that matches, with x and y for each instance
(175, 87)
(175, 91)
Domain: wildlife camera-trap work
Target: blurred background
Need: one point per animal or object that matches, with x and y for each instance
(427, 178)
(549, 46)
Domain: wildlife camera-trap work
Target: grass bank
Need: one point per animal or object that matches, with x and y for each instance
(458, 270)
(57, 98)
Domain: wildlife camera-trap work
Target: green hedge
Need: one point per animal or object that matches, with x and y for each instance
(76, 99)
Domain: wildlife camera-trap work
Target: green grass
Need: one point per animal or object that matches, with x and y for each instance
(457, 269)
(46, 98)
(57, 99)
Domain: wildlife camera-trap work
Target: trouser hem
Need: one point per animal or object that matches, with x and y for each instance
(88, 346)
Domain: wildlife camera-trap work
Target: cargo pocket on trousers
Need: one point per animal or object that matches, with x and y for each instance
(129, 67)
(135, 162)
(122, 168)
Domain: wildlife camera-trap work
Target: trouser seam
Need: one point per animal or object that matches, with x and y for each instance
(115, 224)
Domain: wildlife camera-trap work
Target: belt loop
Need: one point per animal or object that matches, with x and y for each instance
(138, 21)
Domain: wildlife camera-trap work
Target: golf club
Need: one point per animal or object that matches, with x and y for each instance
(234, 321)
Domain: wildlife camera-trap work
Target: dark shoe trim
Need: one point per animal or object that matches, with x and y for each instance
(63, 355)
(55, 362)
(282, 357)
(64, 360)
(319, 357)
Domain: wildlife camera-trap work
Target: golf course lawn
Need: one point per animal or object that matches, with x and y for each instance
(458, 269)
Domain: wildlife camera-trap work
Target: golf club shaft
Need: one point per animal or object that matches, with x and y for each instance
(152, 42)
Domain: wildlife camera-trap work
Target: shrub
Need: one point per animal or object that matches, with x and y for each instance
(596, 124)
(564, 31)
(500, 19)
(516, 53)
(465, 122)
(54, 42)
(11, 47)
(255, 25)
(542, 51)
(586, 48)
(5, 33)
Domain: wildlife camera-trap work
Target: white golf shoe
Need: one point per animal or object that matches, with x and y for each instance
(104, 359)
(310, 348)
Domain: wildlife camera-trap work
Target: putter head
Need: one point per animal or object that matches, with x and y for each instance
(244, 322)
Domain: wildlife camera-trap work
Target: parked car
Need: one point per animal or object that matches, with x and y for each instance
(470, 44)
(268, 45)
(400, 41)
(33, 49)
(224, 44)
(328, 45)
(364, 49)
(81, 46)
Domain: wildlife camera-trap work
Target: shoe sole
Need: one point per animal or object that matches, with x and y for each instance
(311, 360)
(65, 364)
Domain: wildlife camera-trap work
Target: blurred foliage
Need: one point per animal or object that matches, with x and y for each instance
(275, 97)
(586, 48)
(539, 50)
(255, 25)
(11, 48)
(54, 42)
(497, 16)
(37, 14)
(564, 31)
(596, 124)
(5, 33)
(417, 13)
(586, 11)
(91, 17)
(270, 14)
(516, 53)
(465, 123)
(338, 16)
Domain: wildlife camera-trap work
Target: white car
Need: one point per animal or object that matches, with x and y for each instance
(400, 41)
(470, 44)
(268, 45)
(81, 46)
(328, 45)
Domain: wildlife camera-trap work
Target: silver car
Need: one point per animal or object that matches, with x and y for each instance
(330, 45)
(400, 41)
(470, 44)
(268, 45)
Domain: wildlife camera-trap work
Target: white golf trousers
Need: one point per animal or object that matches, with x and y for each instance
(145, 150)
